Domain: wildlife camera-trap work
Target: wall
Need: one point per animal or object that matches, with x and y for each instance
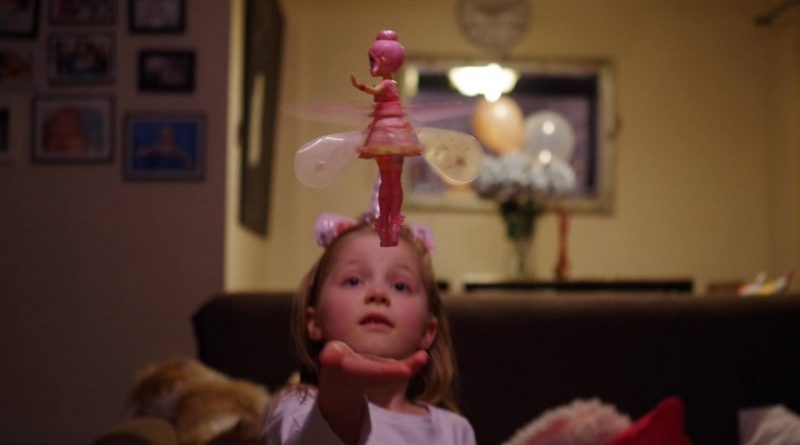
(706, 157)
(99, 276)
(784, 195)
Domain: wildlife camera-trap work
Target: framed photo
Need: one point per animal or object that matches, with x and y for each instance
(164, 146)
(580, 92)
(83, 12)
(156, 16)
(72, 128)
(19, 18)
(5, 132)
(80, 58)
(166, 71)
(16, 69)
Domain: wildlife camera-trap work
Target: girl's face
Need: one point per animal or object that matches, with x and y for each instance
(374, 300)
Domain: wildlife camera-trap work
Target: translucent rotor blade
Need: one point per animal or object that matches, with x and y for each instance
(319, 162)
(422, 113)
(350, 114)
(455, 156)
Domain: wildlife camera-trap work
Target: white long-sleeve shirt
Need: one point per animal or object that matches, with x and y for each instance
(296, 420)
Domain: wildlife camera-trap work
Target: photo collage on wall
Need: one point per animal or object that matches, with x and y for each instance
(72, 119)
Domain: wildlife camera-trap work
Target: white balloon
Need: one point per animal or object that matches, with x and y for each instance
(547, 134)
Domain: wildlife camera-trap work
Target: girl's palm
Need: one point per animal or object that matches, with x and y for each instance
(365, 370)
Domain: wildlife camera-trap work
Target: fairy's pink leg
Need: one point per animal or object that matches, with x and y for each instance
(390, 199)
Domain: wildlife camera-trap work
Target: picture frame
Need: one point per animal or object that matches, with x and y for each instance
(82, 12)
(263, 36)
(72, 128)
(5, 133)
(19, 19)
(156, 16)
(80, 58)
(581, 91)
(167, 71)
(16, 68)
(165, 146)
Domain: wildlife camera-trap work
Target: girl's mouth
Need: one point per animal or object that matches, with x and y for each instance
(375, 319)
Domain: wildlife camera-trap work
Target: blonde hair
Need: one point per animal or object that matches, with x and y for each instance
(435, 383)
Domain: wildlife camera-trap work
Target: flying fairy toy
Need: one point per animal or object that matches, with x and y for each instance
(389, 138)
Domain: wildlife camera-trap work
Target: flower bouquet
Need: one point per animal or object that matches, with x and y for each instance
(522, 183)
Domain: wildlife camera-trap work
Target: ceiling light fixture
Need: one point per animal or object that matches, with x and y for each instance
(491, 80)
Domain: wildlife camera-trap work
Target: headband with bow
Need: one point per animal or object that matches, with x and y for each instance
(330, 225)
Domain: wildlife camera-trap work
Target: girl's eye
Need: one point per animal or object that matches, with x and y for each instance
(401, 287)
(352, 281)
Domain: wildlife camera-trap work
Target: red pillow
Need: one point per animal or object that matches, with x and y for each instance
(661, 426)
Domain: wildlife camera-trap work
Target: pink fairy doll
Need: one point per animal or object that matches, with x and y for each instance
(389, 139)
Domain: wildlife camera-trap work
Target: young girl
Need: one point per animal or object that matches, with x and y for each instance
(370, 331)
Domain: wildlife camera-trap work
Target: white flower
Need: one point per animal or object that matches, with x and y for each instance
(518, 176)
(557, 176)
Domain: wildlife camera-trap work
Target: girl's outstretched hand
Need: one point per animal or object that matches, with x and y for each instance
(339, 361)
(346, 376)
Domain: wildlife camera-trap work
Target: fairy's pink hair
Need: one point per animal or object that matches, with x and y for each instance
(387, 52)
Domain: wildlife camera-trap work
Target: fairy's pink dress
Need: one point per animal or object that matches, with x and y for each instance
(389, 133)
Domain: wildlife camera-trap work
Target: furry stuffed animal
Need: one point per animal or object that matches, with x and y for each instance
(582, 422)
(591, 422)
(202, 404)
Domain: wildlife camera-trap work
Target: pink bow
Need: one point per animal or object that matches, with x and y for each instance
(330, 225)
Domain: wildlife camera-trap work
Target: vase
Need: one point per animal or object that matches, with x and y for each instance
(520, 221)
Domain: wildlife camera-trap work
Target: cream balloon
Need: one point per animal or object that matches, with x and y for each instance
(549, 135)
(498, 125)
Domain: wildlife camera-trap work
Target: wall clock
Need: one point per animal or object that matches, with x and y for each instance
(493, 24)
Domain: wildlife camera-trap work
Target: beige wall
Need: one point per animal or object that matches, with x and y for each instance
(99, 276)
(707, 153)
(784, 161)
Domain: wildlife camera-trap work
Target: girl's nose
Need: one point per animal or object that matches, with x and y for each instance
(377, 297)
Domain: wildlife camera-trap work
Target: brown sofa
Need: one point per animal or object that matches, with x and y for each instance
(522, 353)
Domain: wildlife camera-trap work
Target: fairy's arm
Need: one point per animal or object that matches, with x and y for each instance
(366, 88)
